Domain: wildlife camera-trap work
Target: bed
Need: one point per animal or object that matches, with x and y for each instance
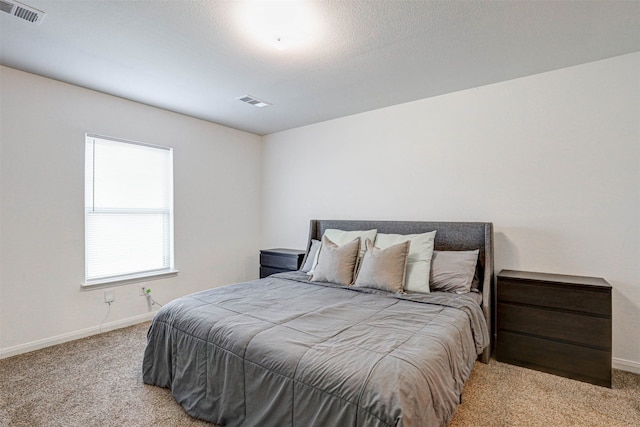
(285, 351)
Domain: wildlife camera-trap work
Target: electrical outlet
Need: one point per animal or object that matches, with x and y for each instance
(109, 296)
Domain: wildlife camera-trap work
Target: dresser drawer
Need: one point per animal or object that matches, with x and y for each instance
(284, 262)
(560, 324)
(570, 327)
(596, 301)
(577, 362)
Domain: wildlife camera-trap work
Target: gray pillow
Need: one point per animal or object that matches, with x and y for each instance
(419, 259)
(336, 264)
(384, 269)
(340, 237)
(453, 271)
(311, 256)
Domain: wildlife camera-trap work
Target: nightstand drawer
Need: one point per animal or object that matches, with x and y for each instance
(278, 261)
(577, 362)
(570, 327)
(556, 296)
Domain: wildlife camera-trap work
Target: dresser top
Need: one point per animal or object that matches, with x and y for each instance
(554, 278)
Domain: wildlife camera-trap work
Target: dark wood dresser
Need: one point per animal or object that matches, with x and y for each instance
(279, 260)
(555, 323)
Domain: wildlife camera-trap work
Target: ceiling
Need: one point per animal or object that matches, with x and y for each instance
(196, 57)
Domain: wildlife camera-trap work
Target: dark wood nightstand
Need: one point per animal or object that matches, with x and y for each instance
(555, 323)
(279, 260)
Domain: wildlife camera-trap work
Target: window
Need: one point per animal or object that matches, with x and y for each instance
(128, 210)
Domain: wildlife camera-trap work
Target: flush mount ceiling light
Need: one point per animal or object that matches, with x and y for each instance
(279, 23)
(253, 101)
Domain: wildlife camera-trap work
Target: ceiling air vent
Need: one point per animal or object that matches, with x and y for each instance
(250, 100)
(22, 11)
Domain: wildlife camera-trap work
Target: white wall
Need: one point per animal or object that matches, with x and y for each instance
(217, 201)
(553, 160)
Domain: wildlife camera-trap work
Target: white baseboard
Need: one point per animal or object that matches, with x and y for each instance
(70, 336)
(625, 365)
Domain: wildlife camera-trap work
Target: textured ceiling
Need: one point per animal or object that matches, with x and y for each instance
(196, 57)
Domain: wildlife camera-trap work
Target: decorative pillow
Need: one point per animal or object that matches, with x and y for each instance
(453, 271)
(315, 260)
(383, 269)
(311, 259)
(340, 237)
(419, 260)
(336, 264)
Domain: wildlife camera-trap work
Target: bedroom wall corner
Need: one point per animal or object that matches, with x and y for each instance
(553, 160)
(217, 172)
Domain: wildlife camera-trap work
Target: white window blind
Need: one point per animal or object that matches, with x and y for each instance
(128, 210)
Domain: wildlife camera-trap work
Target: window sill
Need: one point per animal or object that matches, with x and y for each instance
(107, 283)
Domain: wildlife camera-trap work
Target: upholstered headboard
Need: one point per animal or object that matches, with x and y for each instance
(450, 236)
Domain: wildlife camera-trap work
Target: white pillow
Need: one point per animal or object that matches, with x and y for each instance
(312, 257)
(419, 260)
(315, 260)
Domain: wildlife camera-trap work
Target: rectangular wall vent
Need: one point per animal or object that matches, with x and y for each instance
(252, 100)
(22, 11)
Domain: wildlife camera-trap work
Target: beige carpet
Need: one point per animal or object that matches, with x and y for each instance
(97, 381)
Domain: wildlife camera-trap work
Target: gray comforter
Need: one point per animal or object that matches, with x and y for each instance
(283, 351)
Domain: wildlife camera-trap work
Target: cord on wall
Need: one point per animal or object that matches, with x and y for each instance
(105, 317)
(150, 301)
